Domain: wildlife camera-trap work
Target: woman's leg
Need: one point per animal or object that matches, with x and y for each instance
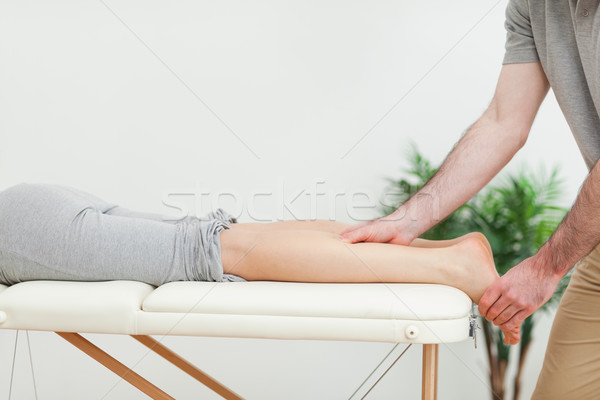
(322, 225)
(52, 232)
(313, 256)
(336, 227)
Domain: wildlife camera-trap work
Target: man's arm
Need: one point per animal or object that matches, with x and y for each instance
(487, 146)
(527, 286)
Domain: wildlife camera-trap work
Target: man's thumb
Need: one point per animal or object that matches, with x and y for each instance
(352, 236)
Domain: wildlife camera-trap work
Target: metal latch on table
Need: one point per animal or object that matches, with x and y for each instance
(473, 325)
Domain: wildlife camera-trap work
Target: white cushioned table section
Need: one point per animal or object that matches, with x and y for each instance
(377, 312)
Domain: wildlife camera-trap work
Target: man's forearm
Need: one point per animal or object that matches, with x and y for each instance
(578, 233)
(481, 153)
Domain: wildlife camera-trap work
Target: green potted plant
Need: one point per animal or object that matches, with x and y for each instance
(517, 215)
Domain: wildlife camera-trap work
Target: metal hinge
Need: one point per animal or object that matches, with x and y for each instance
(473, 325)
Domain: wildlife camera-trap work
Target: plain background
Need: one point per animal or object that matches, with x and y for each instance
(138, 101)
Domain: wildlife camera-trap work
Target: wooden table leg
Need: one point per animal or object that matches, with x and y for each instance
(430, 366)
(114, 365)
(187, 367)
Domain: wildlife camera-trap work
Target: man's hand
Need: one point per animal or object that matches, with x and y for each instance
(517, 295)
(383, 230)
(512, 337)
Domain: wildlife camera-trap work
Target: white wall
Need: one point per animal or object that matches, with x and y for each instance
(135, 100)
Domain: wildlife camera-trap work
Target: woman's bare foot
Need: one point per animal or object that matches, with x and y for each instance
(471, 235)
(482, 272)
(451, 242)
(475, 264)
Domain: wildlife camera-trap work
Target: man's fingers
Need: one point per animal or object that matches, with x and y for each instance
(370, 231)
(382, 230)
(491, 295)
(505, 315)
(354, 227)
(354, 233)
(497, 308)
(515, 321)
(512, 336)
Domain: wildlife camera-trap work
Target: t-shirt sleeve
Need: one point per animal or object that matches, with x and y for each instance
(520, 46)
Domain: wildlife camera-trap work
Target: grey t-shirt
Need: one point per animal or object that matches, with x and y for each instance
(565, 37)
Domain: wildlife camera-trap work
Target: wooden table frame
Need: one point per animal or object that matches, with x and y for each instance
(429, 380)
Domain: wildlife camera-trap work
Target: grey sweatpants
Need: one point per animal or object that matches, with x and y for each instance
(55, 232)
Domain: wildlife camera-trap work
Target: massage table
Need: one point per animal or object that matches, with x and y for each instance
(375, 312)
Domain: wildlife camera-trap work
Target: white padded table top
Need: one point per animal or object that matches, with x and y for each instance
(381, 312)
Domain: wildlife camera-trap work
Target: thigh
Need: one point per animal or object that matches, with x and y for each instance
(571, 368)
(53, 232)
(33, 217)
(125, 212)
(219, 214)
